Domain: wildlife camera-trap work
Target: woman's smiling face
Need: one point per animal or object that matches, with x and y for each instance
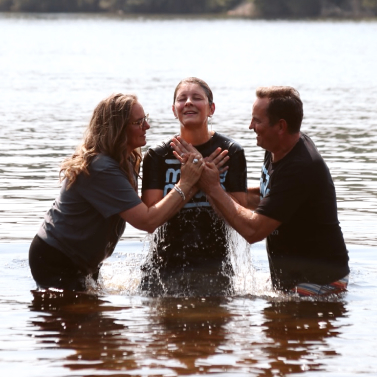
(136, 133)
(191, 105)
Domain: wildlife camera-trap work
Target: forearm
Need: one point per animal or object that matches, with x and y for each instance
(253, 197)
(239, 197)
(169, 205)
(153, 213)
(238, 217)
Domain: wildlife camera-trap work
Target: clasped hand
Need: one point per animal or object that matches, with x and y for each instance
(213, 164)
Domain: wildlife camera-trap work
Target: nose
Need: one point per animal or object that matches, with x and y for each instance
(188, 101)
(252, 126)
(146, 125)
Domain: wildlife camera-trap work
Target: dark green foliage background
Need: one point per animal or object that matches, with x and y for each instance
(269, 9)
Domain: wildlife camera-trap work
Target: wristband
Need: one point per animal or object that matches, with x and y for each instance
(180, 192)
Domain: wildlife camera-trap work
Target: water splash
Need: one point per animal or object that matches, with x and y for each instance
(250, 276)
(122, 273)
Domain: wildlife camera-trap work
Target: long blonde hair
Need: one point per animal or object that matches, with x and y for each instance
(106, 134)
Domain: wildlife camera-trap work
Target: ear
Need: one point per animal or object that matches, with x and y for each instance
(174, 111)
(212, 109)
(283, 126)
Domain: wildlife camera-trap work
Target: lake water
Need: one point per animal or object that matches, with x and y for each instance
(54, 69)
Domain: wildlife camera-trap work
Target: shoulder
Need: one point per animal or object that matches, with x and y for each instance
(161, 150)
(102, 162)
(104, 171)
(308, 154)
(306, 147)
(228, 143)
(303, 153)
(304, 162)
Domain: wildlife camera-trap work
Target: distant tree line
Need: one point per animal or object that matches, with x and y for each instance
(125, 6)
(315, 8)
(262, 8)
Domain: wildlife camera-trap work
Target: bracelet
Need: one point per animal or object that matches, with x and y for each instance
(180, 192)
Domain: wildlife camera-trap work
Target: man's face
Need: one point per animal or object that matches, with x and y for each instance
(267, 137)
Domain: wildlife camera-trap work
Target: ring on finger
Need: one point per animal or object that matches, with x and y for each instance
(195, 161)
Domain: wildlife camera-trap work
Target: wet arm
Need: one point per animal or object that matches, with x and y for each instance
(152, 213)
(156, 212)
(252, 226)
(253, 197)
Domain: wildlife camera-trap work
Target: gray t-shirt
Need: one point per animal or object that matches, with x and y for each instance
(84, 221)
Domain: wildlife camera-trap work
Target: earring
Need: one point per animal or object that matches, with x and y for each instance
(210, 121)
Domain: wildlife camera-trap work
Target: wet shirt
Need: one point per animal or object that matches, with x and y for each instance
(196, 237)
(299, 192)
(84, 221)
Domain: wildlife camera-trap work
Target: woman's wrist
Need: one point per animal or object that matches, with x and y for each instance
(180, 192)
(184, 187)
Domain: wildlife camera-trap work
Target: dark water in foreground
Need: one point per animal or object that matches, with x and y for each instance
(54, 69)
(119, 333)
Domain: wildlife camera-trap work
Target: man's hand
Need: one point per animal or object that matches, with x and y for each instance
(210, 177)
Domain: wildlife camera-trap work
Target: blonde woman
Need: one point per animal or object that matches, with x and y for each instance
(99, 195)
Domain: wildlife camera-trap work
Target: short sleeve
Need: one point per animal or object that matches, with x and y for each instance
(236, 179)
(288, 191)
(108, 190)
(153, 173)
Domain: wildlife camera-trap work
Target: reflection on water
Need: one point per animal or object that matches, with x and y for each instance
(79, 322)
(191, 330)
(117, 332)
(178, 336)
(299, 331)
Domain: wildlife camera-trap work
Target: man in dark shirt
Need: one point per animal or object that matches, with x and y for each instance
(294, 207)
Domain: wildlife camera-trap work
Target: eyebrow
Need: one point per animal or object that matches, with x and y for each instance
(194, 93)
(138, 118)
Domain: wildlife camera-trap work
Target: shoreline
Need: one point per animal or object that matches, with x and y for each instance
(184, 16)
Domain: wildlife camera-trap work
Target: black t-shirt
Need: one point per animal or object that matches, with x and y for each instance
(299, 192)
(195, 238)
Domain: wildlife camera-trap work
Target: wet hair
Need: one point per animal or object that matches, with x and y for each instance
(284, 103)
(195, 80)
(106, 134)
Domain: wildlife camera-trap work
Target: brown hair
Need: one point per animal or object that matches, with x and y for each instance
(284, 103)
(195, 80)
(106, 133)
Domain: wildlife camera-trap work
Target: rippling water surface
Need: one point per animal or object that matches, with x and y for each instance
(53, 72)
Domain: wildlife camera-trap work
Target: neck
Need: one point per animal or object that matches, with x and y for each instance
(285, 147)
(196, 136)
